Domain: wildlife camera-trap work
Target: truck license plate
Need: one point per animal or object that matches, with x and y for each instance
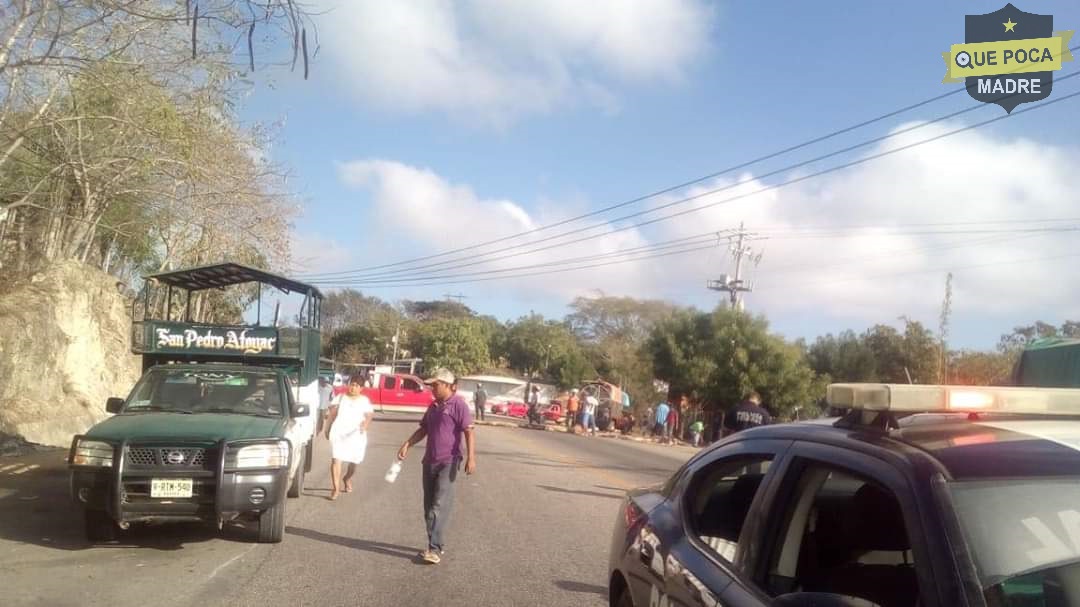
(171, 487)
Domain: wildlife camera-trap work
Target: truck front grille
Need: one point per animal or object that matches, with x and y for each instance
(167, 457)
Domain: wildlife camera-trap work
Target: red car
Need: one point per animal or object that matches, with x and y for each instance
(553, 412)
(510, 408)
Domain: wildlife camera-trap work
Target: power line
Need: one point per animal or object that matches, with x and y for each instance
(660, 245)
(926, 271)
(694, 181)
(635, 256)
(668, 244)
(473, 258)
(556, 271)
(827, 170)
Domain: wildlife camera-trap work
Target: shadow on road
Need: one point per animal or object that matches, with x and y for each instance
(621, 490)
(36, 508)
(581, 587)
(544, 462)
(580, 492)
(401, 552)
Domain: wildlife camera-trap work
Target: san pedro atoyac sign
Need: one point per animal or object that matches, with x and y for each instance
(247, 341)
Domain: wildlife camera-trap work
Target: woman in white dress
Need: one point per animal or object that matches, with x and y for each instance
(346, 428)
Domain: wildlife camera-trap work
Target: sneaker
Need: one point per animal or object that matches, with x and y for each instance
(430, 556)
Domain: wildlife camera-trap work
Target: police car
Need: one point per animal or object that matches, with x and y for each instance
(917, 495)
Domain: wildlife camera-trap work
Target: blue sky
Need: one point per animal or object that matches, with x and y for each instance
(428, 126)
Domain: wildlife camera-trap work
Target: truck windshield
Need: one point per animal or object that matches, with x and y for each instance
(1025, 538)
(197, 391)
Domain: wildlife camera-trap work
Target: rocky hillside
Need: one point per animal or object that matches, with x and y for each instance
(64, 349)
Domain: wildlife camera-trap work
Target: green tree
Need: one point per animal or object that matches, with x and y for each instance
(1021, 337)
(717, 358)
(614, 331)
(980, 368)
(459, 344)
(347, 307)
(430, 310)
(359, 343)
(537, 347)
(844, 358)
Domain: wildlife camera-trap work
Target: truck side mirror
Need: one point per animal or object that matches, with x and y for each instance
(114, 404)
(301, 411)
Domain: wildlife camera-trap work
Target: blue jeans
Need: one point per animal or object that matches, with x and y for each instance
(588, 421)
(438, 499)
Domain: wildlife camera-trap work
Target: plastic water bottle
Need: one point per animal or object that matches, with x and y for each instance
(392, 473)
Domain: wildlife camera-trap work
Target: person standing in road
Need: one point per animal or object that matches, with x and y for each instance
(479, 400)
(326, 393)
(445, 424)
(572, 406)
(747, 414)
(533, 400)
(347, 426)
(673, 421)
(696, 429)
(647, 421)
(660, 421)
(588, 415)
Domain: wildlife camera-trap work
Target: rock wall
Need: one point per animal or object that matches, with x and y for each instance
(64, 349)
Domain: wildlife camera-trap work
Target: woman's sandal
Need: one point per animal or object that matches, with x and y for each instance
(333, 495)
(348, 486)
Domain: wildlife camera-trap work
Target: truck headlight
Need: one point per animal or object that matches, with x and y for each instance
(260, 455)
(93, 453)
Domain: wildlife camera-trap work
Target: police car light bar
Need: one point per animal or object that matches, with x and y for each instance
(927, 398)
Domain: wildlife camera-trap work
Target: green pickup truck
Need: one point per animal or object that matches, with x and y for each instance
(220, 425)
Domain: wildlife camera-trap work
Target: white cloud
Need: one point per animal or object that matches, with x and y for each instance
(315, 253)
(491, 61)
(418, 213)
(858, 275)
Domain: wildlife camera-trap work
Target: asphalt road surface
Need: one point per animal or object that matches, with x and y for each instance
(531, 527)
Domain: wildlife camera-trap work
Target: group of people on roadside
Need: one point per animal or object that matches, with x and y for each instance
(663, 422)
(447, 426)
(581, 412)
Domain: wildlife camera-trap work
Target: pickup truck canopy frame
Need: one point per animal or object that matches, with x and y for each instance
(221, 275)
(297, 348)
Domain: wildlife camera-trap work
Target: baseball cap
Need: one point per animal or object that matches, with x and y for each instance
(443, 375)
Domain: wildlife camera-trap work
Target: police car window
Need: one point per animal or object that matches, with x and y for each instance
(843, 534)
(719, 502)
(1027, 551)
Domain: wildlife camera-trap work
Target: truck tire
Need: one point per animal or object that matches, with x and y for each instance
(99, 526)
(297, 485)
(309, 454)
(272, 524)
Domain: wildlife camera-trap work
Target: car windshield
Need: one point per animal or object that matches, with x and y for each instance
(193, 391)
(1025, 538)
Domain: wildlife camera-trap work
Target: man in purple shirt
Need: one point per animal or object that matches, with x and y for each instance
(444, 424)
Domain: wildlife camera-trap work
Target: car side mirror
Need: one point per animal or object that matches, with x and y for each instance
(820, 599)
(301, 411)
(114, 404)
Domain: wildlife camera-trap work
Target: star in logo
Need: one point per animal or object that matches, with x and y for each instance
(1009, 25)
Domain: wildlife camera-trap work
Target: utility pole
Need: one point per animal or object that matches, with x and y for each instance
(457, 296)
(734, 286)
(396, 339)
(946, 311)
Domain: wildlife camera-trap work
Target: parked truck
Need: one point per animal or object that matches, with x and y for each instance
(220, 425)
(399, 392)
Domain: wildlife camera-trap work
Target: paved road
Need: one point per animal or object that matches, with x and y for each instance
(532, 527)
